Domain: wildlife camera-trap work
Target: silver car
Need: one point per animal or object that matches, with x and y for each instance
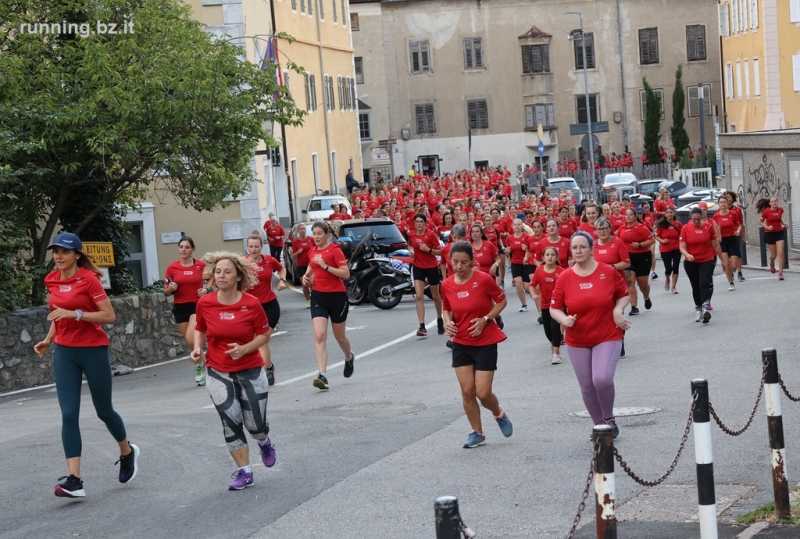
(566, 183)
(621, 182)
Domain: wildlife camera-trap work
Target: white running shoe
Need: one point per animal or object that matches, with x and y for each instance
(698, 314)
(523, 309)
(200, 374)
(556, 360)
(731, 287)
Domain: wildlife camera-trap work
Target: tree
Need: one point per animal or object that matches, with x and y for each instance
(677, 133)
(166, 107)
(652, 124)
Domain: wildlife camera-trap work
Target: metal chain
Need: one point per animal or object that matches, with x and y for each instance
(730, 432)
(624, 465)
(783, 387)
(586, 489)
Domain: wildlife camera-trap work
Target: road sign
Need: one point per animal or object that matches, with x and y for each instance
(540, 133)
(387, 142)
(541, 149)
(585, 143)
(102, 254)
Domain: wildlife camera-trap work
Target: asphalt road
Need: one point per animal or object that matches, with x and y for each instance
(368, 458)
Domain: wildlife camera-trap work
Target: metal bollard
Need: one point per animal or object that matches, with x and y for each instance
(605, 484)
(772, 390)
(448, 518)
(703, 456)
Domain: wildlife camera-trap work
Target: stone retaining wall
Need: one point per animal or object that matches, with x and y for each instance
(144, 333)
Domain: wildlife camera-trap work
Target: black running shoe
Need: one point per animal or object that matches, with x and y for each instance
(622, 352)
(422, 331)
(349, 365)
(449, 344)
(648, 304)
(634, 311)
(614, 429)
(440, 325)
(270, 375)
(71, 488)
(128, 464)
(320, 382)
(539, 319)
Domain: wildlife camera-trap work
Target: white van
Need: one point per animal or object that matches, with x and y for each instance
(319, 207)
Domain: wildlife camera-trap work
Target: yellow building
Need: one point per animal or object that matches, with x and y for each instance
(315, 156)
(761, 63)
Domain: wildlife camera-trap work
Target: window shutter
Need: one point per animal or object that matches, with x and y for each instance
(694, 101)
(526, 58)
(302, 6)
(341, 93)
(472, 114)
(483, 114)
(313, 92)
(541, 115)
(691, 43)
(643, 48)
(294, 5)
(724, 27)
(414, 48)
(589, 50)
(536, 59)
(424, 56)
(756, 79)
(551, 116)
(429, 120)
(286, 84)
(419, 112)
(706, 100)
(581, 107)
(747, 79)
(794, 10)
(701, 41)
(353, 94)
(530, 123)
(545, 58)
(477, 47)
(321, 10)
(735, 16)
(308, 93)
(653, 37)
(796, 73)
(468, 63)
(335, 16)
(310, 7)
(753, 14)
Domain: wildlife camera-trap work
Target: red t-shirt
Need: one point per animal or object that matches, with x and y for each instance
(533, 242)
(738, 211)
(471, 300)
(562, 246)
(188, 278)
(275, 234)
(492, 235)
(423, 259)
(485, 256)
(446, 258)
(698, 240)
(635, 234)
(592, 300)
(306, 245)
(728, 223)
(231, 324)
(566, 229)
(546, 283)
(672, 234)
(516, 243)
(263, 271)
(325, 281)
(616, 222)
(81, 291)
(660, 206)
(588, 227)
(773, 219)
(612, 252)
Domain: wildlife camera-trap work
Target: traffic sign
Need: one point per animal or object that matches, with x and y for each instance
(541, 149)
(102, 254)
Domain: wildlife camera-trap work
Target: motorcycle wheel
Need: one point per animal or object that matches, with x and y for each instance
(381, 295)
(355, 294)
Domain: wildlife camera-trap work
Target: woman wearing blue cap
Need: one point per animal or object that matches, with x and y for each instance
(78, 306)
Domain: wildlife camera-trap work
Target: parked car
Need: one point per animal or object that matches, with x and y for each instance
(683, 214)
(387, 236)
(694, 194)
(319, 207)
(624, 182)
(651, 187)
(566, 183)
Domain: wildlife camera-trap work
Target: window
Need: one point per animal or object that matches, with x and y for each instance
(353, 97)
(311, 93)
(589, 52)
(135, 258)
(425, 119)
(536, 58)
(648, 46)
(541, 114)
(310, 7)
(420, 56)
(693, 93)
(753, 14)
(738, 79)
(350, 94)
(354, 22)
(756, 78)
(341, 93)
(363, 126)
(743, 15)
(478, 114)
(643, 101)
(796, 73)
(344, 19)
(729, 81)
(580, 105)
(330, 98)
(286, 85)
(303, 6)
(724, 21)
(294, 5)
(321, 9)
(473, 53)
(747, 79)
(794, 10)
(335, 16)
(696, 42)
(735, 16)
(359, 63)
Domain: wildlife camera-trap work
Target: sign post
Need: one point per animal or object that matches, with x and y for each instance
(102, 255)
(540, 134)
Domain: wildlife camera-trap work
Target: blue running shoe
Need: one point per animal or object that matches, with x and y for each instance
(505, 424)
(474, 440)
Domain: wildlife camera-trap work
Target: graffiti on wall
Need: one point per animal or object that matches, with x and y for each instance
(765, 183)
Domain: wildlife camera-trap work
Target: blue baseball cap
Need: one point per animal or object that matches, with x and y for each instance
(67, 240)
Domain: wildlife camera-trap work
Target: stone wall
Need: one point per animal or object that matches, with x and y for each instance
(144, 333)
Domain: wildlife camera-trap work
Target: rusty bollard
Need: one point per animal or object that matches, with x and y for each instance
(772, 391)
(605, 484)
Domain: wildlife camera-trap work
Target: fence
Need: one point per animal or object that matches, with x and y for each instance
(584, 178)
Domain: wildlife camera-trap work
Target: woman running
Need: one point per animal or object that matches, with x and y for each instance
(737, 209)
(554, 240)
(529, 263)
(484, 252)
(472, 300)
(326, 272)
(275, 236)
(637, 239)
(542, 283)
(423, 247)
(668, 233)
(566, 226)
(773, 223)
(301, 246)
(263, 268)
(235, 325)
(78, 306)
(457, 233)
(502, 233)
(184, 280)
(589, 220)
(515, 249)
(595, 296)
(729, 226)
(612, 251)
(700, 248)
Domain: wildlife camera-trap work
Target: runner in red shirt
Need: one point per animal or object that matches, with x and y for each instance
(302, 244)
(448, 221)
(612, 251)
(472, 301)
(773, 224)
(566, 227)
(554, 240)
(700, 247)
(516, 243)
(458, 233)
(424, 247)
(235, 326)
(327, 268)
(732, 198)
(529, 262)
(638, 239)
(616, 217)
(484, 252)
(729, 225)
(663, 202)
(595, 296)
(275, 236)
(78, 308)
(503, 230)
(541, 286)
(668, 232)
(588, 223)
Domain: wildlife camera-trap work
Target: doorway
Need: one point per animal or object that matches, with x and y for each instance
(481, 164)
(429, 165)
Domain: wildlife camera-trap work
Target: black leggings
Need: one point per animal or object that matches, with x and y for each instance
(552, 329)
(672, 262)
(701, 275)
(275, 252)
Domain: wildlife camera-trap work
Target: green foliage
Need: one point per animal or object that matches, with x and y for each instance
(677, 133)
(652, 124)
(165, 109)
(686, 162)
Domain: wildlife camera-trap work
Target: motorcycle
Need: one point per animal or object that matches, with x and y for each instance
(386, 290)
(365, 265)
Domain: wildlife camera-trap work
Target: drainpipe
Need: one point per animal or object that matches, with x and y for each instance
(334, 186)
(622, 76)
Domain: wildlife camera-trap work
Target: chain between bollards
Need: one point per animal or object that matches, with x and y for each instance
(587, 488)
(786, 391)
(739, 432)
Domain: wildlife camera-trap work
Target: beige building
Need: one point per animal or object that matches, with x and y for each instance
(312, 157)
(435, 70)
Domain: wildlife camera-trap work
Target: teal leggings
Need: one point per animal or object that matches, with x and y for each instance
(70, 362)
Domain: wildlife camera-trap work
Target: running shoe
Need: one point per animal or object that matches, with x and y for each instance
(128, 464)
(614, 428)
(706, 312)
(71, 488)
(674, 290)
(474, 440)
(622, 351)
(268, 453)
(666, 284)
(540, 319)
(731, 287)
(440, 326)
(500, 322)
(349, 365)
(422, 331)
(698, 314)
(653, 275)
(308, 304)
(449, 344)
(556, 360)
(320, 382)
(505, 424)
(241, 480)
(523, 309)
(648, 304)
(780, 276)
(710, 307)
(741, 277)
(270, 375)
(772, 267)
(634, 311)
(200, 374)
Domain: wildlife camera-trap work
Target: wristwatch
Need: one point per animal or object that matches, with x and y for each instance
(78, 314)
(487, 319)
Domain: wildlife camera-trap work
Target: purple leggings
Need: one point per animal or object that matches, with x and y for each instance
(595, 368)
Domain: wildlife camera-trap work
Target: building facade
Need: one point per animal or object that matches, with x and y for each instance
(761, 63)
(467, 83)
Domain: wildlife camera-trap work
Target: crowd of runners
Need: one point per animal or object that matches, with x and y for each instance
(579, 265)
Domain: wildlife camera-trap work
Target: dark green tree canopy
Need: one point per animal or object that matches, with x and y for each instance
(652, 124)
(677, 133)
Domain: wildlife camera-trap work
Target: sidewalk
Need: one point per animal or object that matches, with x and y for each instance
(668, 530)
(754, 262)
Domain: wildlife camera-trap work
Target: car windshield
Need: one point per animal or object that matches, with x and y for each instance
(315, 205)
(620, 178)
(383, 231)
(562, 185)
(649, 188)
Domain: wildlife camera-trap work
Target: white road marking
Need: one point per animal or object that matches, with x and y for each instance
(279, 333)
(208, 407)
(359, 356)
(354, 328)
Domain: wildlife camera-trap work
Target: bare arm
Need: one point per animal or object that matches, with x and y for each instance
(104, 316)
(43, 346)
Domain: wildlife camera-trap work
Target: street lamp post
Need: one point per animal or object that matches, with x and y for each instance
(574, 35)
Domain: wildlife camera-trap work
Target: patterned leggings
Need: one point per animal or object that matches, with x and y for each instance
(241, 402)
